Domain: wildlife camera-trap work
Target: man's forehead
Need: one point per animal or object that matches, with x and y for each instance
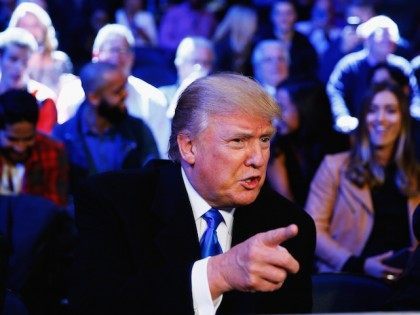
(16, 47)
(114, 41)
(241, 120)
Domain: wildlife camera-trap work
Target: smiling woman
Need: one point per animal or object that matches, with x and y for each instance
(374, 187)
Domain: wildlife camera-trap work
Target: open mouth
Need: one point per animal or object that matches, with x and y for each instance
(251, 182)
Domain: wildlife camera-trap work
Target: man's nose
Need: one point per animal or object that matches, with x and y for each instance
(256, 157)
(20, 147)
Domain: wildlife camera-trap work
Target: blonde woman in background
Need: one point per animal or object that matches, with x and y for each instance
(234, 40)
(47, 65)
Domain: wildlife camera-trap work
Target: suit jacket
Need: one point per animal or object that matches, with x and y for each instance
(338, 206)
(138, 243)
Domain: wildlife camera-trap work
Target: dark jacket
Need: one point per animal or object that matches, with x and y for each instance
(138, 243)
(140, 146)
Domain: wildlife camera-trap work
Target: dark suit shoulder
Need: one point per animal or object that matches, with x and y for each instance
(278, 206)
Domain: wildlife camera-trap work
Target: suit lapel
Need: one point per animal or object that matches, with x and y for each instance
(361, 195)
(177, 239)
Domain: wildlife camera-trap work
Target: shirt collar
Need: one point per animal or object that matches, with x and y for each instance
(200, 206)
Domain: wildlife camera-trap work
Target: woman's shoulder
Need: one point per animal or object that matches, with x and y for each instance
(337, 159)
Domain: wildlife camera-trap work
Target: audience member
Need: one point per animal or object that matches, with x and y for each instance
(304, 136)
(357, 12)
(383, 71)
(347, 84)
(73, 22)
(140, 22)
(320, 29)
(406, 297)
(139, 232)
(16, 48)
(47, 65)
(363, 10)
(374, 187)
(194, 58)
(102, 136)
(114, 44)
(234, 40)
(188, 18)
(39, 241)
(270, 61)
(30, 162)
(303, 56)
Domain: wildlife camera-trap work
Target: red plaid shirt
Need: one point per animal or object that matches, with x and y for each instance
(46, 170)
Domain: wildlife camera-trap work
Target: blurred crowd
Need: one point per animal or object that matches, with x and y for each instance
(91, 86)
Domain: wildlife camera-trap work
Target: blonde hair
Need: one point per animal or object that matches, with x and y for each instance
(50, 40)
(111, 30)
(240, 24)
(222, 94)
(17, 36)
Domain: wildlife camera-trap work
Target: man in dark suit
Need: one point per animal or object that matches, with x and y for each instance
(150, 244)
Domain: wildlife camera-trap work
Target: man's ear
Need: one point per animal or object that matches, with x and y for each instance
(186, 148)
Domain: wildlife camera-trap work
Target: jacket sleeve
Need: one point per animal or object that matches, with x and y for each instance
(105, 279)
(320, 205)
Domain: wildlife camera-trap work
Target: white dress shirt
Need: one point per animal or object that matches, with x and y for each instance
(202, 300)
(12, 179)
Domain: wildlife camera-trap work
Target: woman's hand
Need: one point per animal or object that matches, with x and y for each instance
(375, 267)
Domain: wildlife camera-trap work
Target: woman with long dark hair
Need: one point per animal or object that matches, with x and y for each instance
(362, 201)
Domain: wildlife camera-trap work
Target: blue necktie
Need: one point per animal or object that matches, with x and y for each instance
(209, 243)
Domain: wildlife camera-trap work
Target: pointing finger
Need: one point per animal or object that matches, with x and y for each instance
(280, 235)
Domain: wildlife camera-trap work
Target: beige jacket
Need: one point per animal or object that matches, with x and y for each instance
(343, 213)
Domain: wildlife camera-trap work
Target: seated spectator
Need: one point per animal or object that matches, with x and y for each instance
(347, 83)
(16, 48)
(188, 18)
(356, 12)
(363, 10)
(362, 201)
(47, 65)
(406, 297)
(194, 58)
(30, 162)
(39, 239)
(384, 72)
(304, 136)
(141, 23)
(303, 56)
(320, 29)
(115, 44)
(102, 136)
(270, 61)
(234, 40)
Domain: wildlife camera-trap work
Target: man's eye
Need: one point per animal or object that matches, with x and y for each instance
(265, 139)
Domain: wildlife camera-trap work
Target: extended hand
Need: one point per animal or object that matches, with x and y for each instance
(375, 267)
(258, 264)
